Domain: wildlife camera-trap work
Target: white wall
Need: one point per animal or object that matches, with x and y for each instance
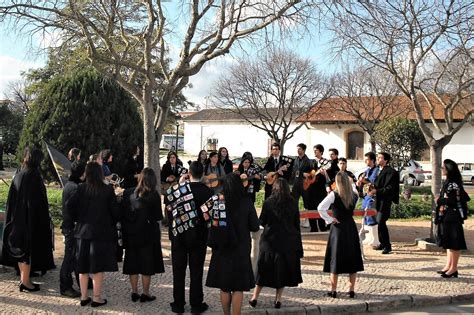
(239, 137)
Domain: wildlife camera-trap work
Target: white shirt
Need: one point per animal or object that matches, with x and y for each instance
(326, 203)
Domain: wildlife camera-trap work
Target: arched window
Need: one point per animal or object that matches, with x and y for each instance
(355, 145)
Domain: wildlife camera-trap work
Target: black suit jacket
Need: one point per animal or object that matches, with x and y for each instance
(388, 188)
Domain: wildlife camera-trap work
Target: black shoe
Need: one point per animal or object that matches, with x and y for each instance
(277, 304)
(387, 250)
(332, 294)
(22, 287)
(253, 303)
(97, 304)
(380, 247)
(199, 309)
(147, 298)
(352, 294)
(440, 272)
(86, 301)
(179, 309)
(453, 275)
(135, 297)
(71, 293)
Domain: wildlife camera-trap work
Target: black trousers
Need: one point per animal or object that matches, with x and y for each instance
(318, 225)
(382, 216)
(181, 255)
(67, 267)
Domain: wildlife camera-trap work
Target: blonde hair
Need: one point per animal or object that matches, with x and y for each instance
(344, 189)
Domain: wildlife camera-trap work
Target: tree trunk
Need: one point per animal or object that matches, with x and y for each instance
(372, 145)
(151, 149)
(436, 152)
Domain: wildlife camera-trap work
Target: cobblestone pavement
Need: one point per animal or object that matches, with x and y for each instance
(404, 278)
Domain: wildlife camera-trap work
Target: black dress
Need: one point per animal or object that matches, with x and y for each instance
(450, 230)
(230, 269)
(27, 236)
(343, 253)
(95, 231)
(141, 233)
(253, 185)
(280, 247)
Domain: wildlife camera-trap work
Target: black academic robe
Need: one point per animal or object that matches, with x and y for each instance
(27, 223)
(388, 189)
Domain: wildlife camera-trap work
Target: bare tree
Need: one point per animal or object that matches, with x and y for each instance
(130, 41)
(367, 94)
(18, 95)
(271, 92)
(427, 47)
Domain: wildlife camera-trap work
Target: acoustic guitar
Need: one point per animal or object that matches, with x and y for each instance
(310, 178)
(271, 177)
(212, 180)
(246, 178)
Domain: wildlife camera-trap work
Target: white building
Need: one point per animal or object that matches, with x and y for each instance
(213, 128)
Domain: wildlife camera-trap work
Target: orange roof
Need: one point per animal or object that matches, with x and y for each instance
(335, 109)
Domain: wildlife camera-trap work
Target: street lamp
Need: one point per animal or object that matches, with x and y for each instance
(177, 132)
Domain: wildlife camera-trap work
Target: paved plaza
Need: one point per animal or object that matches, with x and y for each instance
(405, 278)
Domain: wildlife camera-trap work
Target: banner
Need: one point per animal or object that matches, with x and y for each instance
(61, 164)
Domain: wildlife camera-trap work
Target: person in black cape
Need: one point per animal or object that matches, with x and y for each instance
(27, 235)
(95, 232)
(252, 185)
(132, 167)
(190, 246)
(278, 264)
(67, 228)
(141, 234)
(343, 254)
(224, 159)
(230, 268)
(451, 211)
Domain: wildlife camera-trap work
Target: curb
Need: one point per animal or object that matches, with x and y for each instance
(390, 304)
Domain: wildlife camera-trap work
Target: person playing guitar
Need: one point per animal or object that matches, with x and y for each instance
(213, 172)
(250, 175)
(277, 165)
(171, 171)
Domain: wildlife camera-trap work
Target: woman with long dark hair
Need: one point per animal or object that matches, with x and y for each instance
(281, 249)
(343, 254)
(141, 234)
(95, 232)
(226, 163)
(27, 236)
(202, 157)
(250, 175)
(451, 211)
(230, 268)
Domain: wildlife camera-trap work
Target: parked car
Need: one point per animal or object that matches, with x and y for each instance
(412, 173)
(467, 172)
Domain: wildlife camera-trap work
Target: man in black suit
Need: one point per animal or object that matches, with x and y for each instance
(276, 163)
(386, 190)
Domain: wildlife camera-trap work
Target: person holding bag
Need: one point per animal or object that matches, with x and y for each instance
(451, 211)
(230, 268)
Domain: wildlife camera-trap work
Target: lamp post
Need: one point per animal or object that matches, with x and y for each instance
(177, 132)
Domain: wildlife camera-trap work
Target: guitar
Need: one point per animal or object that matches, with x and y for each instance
(271, 177)
(246, 178)
(310, 178)
(212, 180)
(173, 180)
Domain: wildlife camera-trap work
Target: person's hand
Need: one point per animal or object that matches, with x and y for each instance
(335, 221)
(184, 178)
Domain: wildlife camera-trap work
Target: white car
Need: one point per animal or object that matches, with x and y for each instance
(412, 173)
(467, 172)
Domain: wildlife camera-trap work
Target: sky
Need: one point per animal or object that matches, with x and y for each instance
(19, 53)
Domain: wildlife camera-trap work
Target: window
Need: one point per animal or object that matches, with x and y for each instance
(355, 145)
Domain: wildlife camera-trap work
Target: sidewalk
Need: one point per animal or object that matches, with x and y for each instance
(405, 278)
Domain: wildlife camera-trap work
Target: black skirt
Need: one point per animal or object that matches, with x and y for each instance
(96, 256)
(343, 254)
(451, 236)
(230, 271)
(278, 270)
(146, 260)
